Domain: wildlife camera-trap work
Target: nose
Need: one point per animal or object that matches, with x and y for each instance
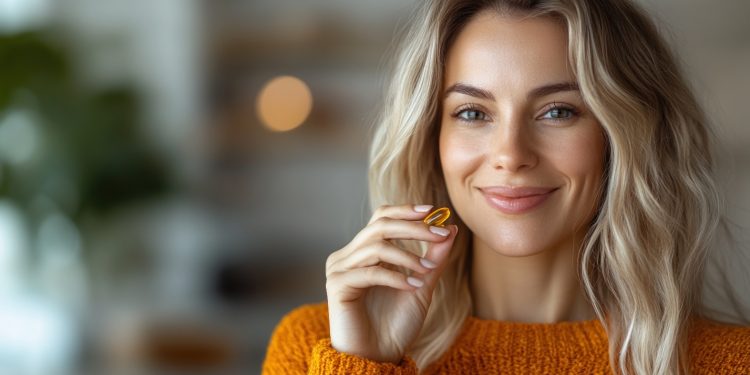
(512, 146)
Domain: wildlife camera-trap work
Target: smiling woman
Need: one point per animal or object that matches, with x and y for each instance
(523, 162)
(579, 166)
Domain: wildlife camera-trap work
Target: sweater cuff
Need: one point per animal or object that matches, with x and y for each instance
(327, 360)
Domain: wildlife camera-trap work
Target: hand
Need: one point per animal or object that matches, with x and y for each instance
(375, 311)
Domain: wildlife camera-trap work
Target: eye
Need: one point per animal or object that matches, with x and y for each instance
(470, 114)
(559, 113)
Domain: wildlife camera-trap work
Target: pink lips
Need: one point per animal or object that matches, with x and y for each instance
(516, 200)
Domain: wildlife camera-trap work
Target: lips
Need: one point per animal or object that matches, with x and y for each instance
(515, 191)
(516, 200)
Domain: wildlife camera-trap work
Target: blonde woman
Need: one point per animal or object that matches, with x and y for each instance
(578, 167)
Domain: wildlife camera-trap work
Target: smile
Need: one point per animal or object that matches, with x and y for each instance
(516, 200)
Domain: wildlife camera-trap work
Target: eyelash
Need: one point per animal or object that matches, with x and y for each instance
(472, 107)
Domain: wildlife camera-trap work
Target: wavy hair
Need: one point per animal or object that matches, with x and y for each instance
(642, 261)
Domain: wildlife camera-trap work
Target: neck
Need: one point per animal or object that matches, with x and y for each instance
(539, 288)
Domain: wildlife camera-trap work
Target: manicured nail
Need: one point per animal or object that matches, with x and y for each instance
(422, 207)
(427, 263)
(413, 281)
(441, 231)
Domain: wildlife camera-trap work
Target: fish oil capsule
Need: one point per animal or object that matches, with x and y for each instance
(438, 217)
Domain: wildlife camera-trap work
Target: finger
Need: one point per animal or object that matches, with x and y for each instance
(385, 229)
(439, 253)
(391, 229)
(382, 251)
(402, 211)
(349, 285)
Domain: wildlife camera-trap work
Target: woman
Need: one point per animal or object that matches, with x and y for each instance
(578, 164)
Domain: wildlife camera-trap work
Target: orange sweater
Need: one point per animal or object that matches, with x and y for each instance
(301, 344)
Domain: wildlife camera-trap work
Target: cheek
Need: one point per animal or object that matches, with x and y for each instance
(581, 154)
(459, 155)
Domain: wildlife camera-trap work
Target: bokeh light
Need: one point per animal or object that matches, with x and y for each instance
(18, 137)
(284, 103)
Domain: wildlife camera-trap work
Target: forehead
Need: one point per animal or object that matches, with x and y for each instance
(494, 49)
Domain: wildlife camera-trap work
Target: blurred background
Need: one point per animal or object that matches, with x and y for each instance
(159, 215)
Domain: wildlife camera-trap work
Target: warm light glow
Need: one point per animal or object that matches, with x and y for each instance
(284, 103)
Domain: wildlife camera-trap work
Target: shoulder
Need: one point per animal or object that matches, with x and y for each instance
(292, 341)
(718, 346)
(711, 331)
(309, 321)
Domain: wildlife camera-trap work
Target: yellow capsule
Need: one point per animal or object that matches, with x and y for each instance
(438, 217)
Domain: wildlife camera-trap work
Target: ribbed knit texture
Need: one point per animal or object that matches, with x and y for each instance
(301, 344)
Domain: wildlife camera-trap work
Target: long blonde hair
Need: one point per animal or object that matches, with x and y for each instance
(643, 257)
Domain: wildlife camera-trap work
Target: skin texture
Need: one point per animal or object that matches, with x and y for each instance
(523, 265)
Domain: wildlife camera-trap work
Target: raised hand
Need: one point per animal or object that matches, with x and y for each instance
(375, 311)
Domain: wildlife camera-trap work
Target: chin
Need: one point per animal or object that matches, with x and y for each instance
(517, 252)
(521, 247)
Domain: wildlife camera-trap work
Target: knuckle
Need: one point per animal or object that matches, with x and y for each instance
(378, 212)
(385, 207)
(364, 234)
(372, 230)
(332, 258)
(381, 223)
(382, 220)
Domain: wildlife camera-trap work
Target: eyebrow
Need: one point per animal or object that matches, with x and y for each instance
(466, 89)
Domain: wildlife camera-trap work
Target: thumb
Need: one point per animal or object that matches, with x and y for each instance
(439, 253)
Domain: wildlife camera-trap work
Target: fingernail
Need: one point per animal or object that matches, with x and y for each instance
(422, 207)
(413, 281)
(441, 231)
(427, 263)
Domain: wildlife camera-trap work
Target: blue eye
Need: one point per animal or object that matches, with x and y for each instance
(555, 113)
(470, 115)
(559, 114)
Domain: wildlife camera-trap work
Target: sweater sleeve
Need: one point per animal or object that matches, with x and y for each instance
(300, 344)
(327, 360)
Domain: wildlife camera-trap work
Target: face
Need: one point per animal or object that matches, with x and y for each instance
(522, 156)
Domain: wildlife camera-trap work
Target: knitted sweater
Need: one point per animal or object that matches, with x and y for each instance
(301, 344)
